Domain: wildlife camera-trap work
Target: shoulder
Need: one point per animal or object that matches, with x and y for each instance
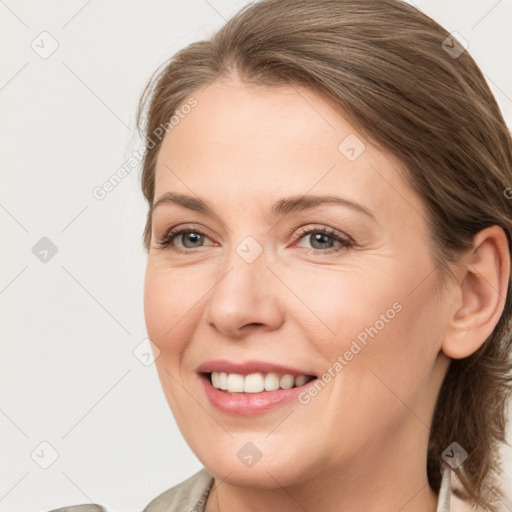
(187, 496)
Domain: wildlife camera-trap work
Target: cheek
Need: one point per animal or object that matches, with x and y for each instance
(376, 319)
(396, 361)
(341, 305)
(171, 301)
(157, 306)
(171, 308)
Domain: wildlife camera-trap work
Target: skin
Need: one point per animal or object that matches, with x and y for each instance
(361, 443)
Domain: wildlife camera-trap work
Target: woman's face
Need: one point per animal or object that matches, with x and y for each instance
(255, 280)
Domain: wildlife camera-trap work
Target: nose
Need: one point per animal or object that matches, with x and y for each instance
(246, 298)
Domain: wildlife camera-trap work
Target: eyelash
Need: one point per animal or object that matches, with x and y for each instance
(346, 243)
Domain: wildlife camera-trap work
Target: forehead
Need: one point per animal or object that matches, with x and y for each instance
(252, 143)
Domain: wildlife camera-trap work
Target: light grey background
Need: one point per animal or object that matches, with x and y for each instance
(69, 325)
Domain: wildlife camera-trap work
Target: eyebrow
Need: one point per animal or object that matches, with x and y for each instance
(281, 207)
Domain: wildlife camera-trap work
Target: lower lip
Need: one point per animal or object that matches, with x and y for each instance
(249, 404)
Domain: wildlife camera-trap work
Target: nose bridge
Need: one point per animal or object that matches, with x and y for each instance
(246, 273)
(243, 295)
(250, 251)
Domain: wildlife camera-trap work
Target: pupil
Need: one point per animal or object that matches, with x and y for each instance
(318, 238)
(190, 238)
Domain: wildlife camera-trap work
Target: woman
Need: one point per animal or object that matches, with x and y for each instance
(328, 277)
(328, 215)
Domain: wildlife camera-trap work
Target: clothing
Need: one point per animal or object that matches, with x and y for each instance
(188, 496)
(191, 496)
(92, 507)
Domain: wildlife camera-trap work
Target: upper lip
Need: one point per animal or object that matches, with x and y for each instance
(247, 367)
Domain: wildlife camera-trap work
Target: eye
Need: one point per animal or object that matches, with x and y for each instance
(323, 240)
(191, 238)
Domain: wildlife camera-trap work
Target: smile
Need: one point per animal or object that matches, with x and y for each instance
(255, 402)
(256, 382)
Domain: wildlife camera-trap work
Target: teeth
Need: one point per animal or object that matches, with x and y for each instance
(300, 380)
(235, 383)
(287, 381)
(255, 382)
(223, 380)
(271, 382)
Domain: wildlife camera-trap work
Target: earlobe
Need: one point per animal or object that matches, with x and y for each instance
(482, 291)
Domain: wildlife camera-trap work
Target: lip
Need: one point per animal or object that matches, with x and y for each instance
(249, 404)
(251, 366)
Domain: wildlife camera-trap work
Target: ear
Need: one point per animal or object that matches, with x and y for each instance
(481, 293)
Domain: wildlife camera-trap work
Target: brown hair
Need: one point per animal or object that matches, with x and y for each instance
(392, 72)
